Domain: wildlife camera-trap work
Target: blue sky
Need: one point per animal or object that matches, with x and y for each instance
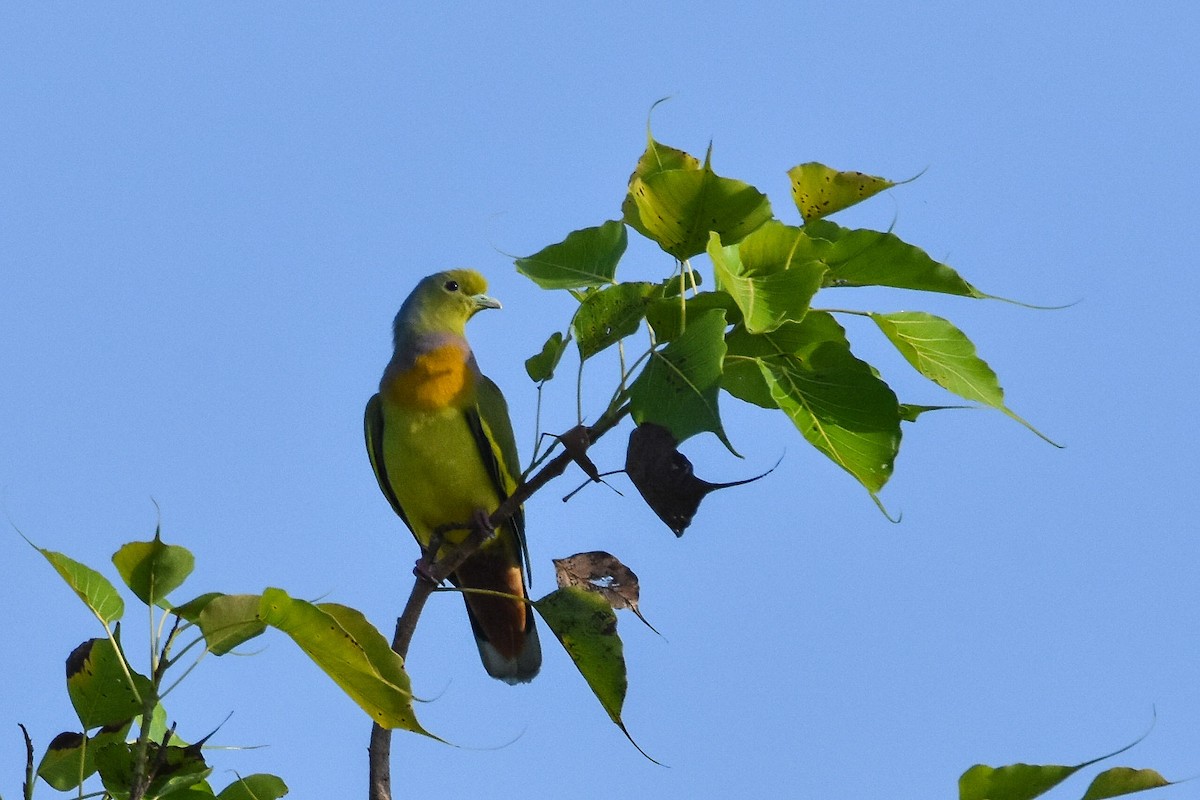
(210, 213)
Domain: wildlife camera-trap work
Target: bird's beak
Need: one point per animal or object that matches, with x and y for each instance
(482, 301)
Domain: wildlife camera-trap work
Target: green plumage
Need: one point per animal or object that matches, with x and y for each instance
(442, 448)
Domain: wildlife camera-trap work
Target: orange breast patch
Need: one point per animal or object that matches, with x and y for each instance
(437, 379)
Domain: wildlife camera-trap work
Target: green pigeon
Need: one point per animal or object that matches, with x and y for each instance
(442, 447)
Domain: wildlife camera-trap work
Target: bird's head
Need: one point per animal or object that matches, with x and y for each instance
(442, 304)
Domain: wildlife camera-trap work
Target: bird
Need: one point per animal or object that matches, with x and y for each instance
(442, 448)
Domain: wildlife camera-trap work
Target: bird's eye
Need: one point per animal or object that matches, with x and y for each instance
(451, 286)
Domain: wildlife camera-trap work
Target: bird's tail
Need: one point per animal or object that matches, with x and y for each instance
(504, 629)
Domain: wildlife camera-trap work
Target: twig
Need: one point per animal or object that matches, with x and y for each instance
(379, 752)
(27, 787)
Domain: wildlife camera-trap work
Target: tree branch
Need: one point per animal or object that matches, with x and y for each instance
(380, 749)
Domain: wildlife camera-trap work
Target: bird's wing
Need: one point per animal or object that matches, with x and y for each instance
(492, 429)
(373, 430)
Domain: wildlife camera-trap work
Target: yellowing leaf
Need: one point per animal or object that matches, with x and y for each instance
(820, 190)
(90, 586)
(228, 620)
(349, 650)
(944, 354)
(678, 207)
(767, 299)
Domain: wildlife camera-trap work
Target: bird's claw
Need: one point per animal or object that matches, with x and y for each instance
(423, 569)
(482, 522)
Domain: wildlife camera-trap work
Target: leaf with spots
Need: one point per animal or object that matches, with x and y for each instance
(659, 157)
(862, 257)
(587, 257)
(943, 353)
(820, 190)
(349, 650)
(153, 569)
(677, 208)
(769, 293)
(602, 573)
(99, 685)
(586, 626)
(609, 315)
(679, 386)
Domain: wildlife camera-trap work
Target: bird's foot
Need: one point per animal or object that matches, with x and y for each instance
(423, 569)
(482, 521)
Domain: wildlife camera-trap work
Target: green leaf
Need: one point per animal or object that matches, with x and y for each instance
(909, 412)
(541, 367)
(1123, 780)
(1012, 782)
(742, 376)
(586, 626)
(841, 408)
(872, 258)
(944, 354)
(677, 208)
(587, 257)
(349, 650)
(670, 316)
(190, 610)
(255, 787)
(836, 401)
(820, 190)
(91, 587)
(197, 791)
(679, 283)
(179, 768)
(228, 620)
(99, 687)
(70, 759)
(679, 386)
(768, 296)
(66, 763)
(153, 569)
(609, 315)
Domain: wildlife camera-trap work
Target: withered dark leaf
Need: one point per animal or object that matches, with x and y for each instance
(576, 442)
(665, 477)
(604, 574)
